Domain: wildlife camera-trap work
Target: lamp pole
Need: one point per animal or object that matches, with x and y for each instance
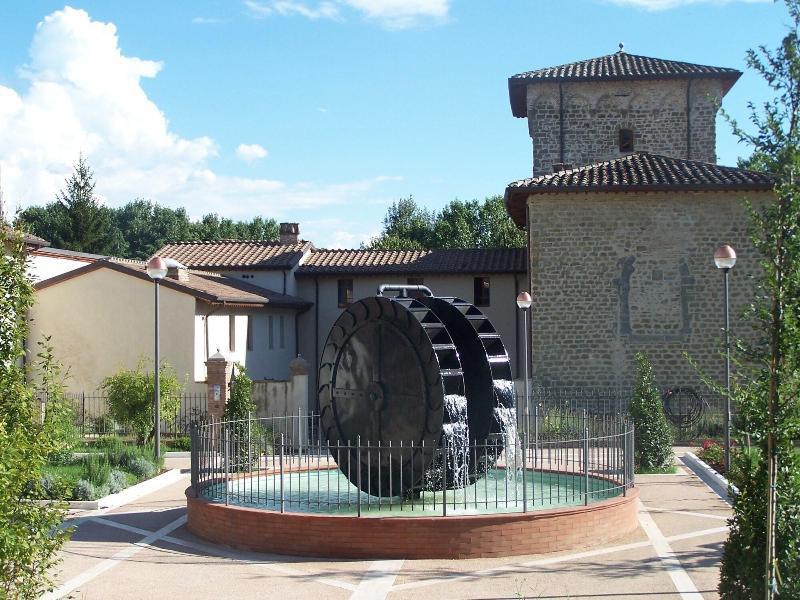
(524, 301)
(725, 259)
(157, 270)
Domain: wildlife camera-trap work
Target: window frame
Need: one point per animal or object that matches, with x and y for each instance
(622, 136)
(344, 292)
(482, 291)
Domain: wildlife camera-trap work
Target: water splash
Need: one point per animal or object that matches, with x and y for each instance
(456, 434)
(507, 419)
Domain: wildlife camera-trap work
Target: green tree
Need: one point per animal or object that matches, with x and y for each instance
(30, 535)
(59, 413)
(762, 554)
(460, 224)
(130, 398)
(651, 433)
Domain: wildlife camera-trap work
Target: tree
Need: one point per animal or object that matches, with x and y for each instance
(30, 535)
(130, 398)
(652, 436)
(762, 554)
(82, 223)
(470, 224)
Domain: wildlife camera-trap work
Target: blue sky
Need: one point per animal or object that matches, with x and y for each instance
(318, 111)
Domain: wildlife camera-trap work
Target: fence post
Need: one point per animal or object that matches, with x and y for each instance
(358, 475)
(280, 463)
(586, 461)
(249, 445)
(444, 479)
(83, 414)
(226, 457)
(524, 471)
(625, 460)
(194, 454)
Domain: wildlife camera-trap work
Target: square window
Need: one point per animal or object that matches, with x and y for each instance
(482, 289)
(345, 293)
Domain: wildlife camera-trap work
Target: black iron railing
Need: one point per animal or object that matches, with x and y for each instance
(283, 464)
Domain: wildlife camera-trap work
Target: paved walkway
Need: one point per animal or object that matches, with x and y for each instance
(142, 549)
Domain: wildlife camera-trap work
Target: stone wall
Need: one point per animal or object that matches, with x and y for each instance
(614, 274)
(594, 112)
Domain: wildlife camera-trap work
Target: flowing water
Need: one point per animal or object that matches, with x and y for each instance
(456, 436)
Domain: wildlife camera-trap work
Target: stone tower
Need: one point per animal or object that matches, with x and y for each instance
(606, 107)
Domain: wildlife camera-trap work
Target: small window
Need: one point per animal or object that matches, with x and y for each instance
(345, 293)
(481, 285)
(626, 140)
(232, 333)
(271, 332)
(250, 332)
(280, 333)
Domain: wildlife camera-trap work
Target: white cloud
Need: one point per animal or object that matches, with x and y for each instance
(259, 10)
(84, 95)
(668, 4)
(250, 152)
(208, 20)
(393, 14)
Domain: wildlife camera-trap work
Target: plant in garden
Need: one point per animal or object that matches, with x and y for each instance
(762, 554)
(59, 414)
(652, 434)
(130, 398)
(239, 409)
(30, 534)
(712, 454)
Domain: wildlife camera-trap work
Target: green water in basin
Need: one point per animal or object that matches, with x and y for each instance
(328, 491)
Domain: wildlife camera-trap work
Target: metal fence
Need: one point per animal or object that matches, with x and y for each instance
(692, 413)
(93, 419)
(283, 464)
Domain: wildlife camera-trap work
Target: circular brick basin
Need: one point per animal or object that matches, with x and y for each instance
(457, 536)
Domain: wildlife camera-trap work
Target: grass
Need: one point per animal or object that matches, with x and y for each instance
(659, 471)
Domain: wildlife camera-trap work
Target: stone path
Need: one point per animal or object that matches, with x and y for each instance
(142, 549)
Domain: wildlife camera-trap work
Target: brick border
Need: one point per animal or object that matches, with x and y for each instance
(457, 536)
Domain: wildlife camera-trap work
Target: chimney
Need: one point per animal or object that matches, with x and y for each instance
(290, 233)
(178, 273)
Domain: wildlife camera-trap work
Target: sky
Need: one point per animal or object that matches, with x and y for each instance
(320, 112)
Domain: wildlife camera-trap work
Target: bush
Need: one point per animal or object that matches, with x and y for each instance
(142, 467)
(652, 434)
(117, 481)
(54, 487)
(130, 399)
(182, 443)
(713, 454)
(59, 414)
(86, 490)
(96, 469)
(239, 407)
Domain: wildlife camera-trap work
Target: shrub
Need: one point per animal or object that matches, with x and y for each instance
(130, 398)
(142, 467)
(652, 434)
(117, 481)
(712, 454)
(182, 443)
(59, 414)
(86, 490)
(239, 407)
(96, 469)
(54, 487)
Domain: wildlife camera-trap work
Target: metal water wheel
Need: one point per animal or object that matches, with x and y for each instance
(386, 370)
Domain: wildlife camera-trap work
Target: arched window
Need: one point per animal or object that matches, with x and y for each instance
(626, 140)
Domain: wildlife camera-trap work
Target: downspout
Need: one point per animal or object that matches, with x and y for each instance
(284, 281)
(688, 120)
(560, 124)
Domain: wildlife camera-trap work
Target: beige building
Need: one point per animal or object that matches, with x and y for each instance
(100, 318)
(622, 240)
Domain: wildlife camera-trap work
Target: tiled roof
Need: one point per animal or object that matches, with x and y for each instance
(614, 67)
(205, 286)
(28, 238)
(235, 254)
(378, 262)
(640, 171)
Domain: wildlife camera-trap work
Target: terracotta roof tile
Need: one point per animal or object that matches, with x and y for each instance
(233, 254)
(377, 262)
(640, 171)
(614, 67)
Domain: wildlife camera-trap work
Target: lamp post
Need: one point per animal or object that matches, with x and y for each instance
(725, 259)
(157, 270)
(524, 302)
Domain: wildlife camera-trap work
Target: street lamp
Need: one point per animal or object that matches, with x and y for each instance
(725, 259)
(157, 270)
(524, 302)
